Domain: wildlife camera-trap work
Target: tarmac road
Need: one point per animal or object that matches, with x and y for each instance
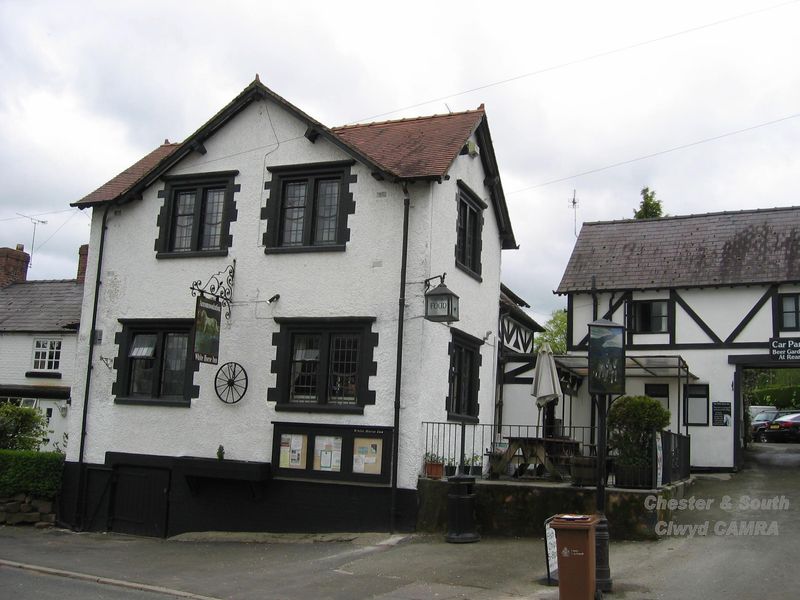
(725, 560)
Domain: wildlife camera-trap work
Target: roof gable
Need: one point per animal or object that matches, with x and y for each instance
(716, 249)
(408, 149)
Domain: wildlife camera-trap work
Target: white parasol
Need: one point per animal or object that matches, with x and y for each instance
(546, 386)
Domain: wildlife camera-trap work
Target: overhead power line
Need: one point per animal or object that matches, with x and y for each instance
(584, 59)
(653, 154)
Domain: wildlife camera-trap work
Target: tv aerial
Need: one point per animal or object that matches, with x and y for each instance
(35, 222)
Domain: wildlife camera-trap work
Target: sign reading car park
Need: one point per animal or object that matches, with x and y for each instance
(784, 349)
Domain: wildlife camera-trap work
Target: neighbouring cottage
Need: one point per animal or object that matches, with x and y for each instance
(280, 408)
(702, 297)
(38, 331)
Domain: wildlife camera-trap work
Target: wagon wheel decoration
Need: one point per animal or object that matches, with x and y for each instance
(231, 382)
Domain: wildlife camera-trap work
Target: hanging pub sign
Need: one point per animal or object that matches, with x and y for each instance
(206, 330)
(606, 358)
(784, 349)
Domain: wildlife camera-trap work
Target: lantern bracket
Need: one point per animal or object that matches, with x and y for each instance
(428, 284)
(218, 286)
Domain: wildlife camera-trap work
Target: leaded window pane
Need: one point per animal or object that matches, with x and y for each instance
(293, 213)
(176, 346)
(184, 220)
(142, 374)
(305, 366)
(343, 373)
(143, 346)
(212, 220)
(327, 209)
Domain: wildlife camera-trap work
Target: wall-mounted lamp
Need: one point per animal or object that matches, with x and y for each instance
(441, 305)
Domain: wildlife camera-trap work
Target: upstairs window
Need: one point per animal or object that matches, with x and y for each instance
(469, 227)
(324, 364)
(155, 363)
(648, 316)
(308, 207)
(196, 216)
(789, 312)
(464, 377)
(46, 354)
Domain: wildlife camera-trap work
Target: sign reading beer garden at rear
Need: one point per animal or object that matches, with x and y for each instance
(784, 349)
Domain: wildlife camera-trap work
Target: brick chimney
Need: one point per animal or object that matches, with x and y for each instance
(83, 256)
(13, 265)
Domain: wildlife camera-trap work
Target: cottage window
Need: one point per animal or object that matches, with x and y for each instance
(324, 364)
(648, 316)
(469, 226)
(155, 363)
(197, 213)
(308, 207)
(789, 314)
(46, 354)
(695, 405)
(464, 379)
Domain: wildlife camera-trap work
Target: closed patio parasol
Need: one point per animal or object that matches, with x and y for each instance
(546, 386)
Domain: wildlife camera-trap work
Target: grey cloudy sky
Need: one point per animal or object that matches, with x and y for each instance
(90, 87)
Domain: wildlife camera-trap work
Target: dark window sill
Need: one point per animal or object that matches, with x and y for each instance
(319, 408)
(43, 374)
(476, 276)
(461, 418)
(152, 401)
(649, 332)
(192, 254)
(296, 249)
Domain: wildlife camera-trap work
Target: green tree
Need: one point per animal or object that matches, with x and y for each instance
(21, 428)
(649, 207)
(555, 333)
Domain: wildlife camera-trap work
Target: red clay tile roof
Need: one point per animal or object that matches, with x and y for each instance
(423, 147)
(123, 182)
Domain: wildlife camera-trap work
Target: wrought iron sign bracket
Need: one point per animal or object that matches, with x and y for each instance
(218, 286)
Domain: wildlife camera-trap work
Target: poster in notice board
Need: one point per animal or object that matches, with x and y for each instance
(721, 414)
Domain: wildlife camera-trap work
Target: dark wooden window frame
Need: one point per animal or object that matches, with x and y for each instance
(312, 172)
(471, 204)
(781, 324)
(281, 366)
(200, 182)
(122, 363)
(633, 308)
(348, 433)
(463, 342)
(695, 390)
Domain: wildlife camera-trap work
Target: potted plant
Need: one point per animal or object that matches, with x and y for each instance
(583, 470)
(496, 462)
(631, 423)
(434, 465)
(475, 465)
(450, 466)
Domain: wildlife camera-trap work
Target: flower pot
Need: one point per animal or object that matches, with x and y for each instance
(434, 470)
(449, 470)
(476, 470)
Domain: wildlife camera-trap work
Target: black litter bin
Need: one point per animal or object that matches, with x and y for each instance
(461, 510)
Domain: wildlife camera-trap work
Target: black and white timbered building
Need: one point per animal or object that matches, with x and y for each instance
(702, 297)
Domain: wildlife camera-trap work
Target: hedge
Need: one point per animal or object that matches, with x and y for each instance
(781, 396)
(27, 472)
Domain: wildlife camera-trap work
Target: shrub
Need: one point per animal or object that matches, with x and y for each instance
(30, 472)
(21, 428)
(631, 422)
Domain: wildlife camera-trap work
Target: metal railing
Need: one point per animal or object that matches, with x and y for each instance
(481, 442)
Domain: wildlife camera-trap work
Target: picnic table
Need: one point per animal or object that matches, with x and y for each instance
(548, 452)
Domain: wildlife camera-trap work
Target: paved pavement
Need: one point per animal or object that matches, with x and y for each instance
(728, 561)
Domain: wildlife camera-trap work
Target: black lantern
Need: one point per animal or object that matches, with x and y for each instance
(606, 357)
(441, 305)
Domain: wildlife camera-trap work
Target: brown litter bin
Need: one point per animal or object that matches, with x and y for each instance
(576, 556)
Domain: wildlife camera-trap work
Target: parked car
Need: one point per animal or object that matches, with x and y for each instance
(762, 421)
(784, 429)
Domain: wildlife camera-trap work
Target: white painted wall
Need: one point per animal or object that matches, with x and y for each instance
(362, 281)
(722, 309)
(16, 358)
